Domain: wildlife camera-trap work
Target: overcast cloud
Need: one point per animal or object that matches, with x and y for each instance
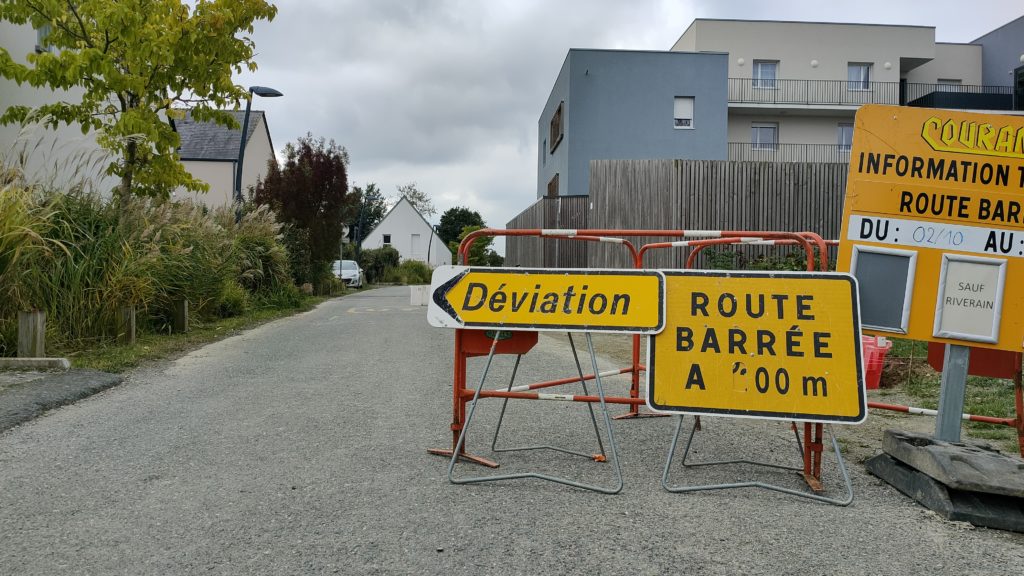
(447, 93)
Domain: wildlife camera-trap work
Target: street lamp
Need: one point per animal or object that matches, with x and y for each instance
(259, 91)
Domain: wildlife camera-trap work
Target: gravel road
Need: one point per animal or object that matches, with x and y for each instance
(300, 448)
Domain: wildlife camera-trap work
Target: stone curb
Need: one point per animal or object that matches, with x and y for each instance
(35, 364)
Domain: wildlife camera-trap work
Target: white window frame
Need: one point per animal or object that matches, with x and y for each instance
(682, 112)
(41, 44)
(842, 128)
(864, 83)
(756, 144)
(757, 81)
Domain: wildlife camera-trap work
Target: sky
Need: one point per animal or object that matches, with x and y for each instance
(447, 93)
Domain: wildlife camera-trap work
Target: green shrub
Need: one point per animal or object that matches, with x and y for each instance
(233, 301)
(414, 272)
(377, 261)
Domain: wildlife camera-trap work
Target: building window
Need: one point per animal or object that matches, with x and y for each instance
(683, 112)
(845, 137)
(764, 136)
(948, 85)
(556, 132)
(553, 187)
(543, 155)
(765, 73)
(387, 239)
(858, 76)
(42, 45)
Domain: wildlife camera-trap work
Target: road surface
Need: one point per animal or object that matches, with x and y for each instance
(299, 447)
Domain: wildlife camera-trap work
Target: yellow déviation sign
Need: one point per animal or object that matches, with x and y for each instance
(547, 299)
(779, 345)
(933, 225)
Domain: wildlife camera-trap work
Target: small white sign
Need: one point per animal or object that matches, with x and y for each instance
(970, 300)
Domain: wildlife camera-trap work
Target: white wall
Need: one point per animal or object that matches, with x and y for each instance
(796, 44)
(792, 129)
(402, 223)
(220, 177)
(61, 157)
(952, 61)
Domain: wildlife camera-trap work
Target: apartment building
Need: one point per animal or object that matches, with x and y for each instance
(794, 87)
(621, 104)
(750, 90)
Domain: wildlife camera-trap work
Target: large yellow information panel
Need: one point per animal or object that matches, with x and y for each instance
(780, 345)
(547, 299)
(933, 225)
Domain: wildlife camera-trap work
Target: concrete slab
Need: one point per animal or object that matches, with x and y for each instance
(965, 467)
(988, 510)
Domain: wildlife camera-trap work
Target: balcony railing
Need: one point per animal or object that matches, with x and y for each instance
(807, 92)
(847, 93)
(746, 152)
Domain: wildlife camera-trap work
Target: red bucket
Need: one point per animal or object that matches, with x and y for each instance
(875, 350)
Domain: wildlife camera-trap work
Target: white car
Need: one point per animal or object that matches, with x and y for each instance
(349, 272)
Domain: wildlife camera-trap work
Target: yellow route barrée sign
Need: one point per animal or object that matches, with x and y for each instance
(779, 345)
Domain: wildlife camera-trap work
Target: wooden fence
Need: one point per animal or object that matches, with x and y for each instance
(682, 195)
(566, 212)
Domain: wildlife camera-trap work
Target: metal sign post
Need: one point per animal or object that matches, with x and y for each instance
(951, 394)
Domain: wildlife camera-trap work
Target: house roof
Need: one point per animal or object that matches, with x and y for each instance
(212, 141)
(413, 208)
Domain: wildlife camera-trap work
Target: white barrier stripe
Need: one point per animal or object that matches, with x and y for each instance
(704, 233)
(924, 411)
(557, 232)
(561, 397)
(528, 387)
(681, 243)
(612, 240)
(751, 240)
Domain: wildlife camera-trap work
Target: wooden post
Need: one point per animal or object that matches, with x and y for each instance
(32, 334)
(179, 316)
(126, 325)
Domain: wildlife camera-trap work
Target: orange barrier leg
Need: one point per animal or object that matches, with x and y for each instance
(813, 448)
(459, 409)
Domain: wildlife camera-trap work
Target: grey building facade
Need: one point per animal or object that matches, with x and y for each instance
(1001, 52)
(630, 105)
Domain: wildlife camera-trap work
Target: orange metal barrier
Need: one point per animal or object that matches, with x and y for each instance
(468, 344)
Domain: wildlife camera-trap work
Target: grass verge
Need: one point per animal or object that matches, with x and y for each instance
(152, 346)
(908, 369)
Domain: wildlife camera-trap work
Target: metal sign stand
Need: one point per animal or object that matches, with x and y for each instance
(599, 457)
(615, 489)
(951, 393)
(672, 450)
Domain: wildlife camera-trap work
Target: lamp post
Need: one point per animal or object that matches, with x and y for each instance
(259, 91)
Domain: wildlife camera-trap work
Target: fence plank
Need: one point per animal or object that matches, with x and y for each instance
(685, 195)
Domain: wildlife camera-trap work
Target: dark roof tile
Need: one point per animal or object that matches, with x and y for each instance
(212, 141)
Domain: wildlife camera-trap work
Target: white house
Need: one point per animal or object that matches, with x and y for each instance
(407, 231)
(209, 152)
